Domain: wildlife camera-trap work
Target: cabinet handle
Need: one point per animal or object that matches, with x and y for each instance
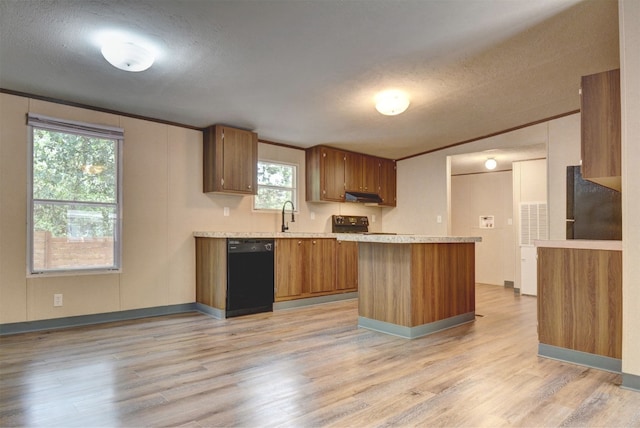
(249, 186)
(314, 242)
(299, 242)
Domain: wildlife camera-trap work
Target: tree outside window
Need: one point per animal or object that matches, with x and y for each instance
(276, 185)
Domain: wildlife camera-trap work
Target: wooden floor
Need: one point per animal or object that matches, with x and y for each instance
(304, 367)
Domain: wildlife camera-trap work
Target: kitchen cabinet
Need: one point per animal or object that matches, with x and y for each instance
(230, 160)
(387, 182)
(325, 174)
(580, 296)
(601, 128)
(304, 267)
(361, 173)
(346, 265)
(290, 259)
(331, 172)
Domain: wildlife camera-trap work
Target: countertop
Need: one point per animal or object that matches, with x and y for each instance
(357, 237)
(581, 244)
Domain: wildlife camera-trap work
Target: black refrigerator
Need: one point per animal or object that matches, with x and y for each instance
(593, 211)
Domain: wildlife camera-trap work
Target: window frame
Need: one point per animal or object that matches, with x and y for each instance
(36, 121)
(294, 188)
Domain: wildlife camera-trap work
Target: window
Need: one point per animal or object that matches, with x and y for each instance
(276, 185)
(75, 196)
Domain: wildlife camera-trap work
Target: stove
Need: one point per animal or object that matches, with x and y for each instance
(349, 224)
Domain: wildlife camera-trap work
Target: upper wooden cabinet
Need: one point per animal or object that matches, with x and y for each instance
(230, 160)
(325, 174)
(601, 128)
(331, 172)
(387, 182)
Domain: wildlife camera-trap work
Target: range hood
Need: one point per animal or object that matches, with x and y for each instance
(367, 198)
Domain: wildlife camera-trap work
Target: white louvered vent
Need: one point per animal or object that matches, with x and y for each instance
(534, 223)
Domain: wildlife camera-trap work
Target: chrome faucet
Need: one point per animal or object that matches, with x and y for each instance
(285, 227)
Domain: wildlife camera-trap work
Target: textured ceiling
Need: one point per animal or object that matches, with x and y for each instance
(306, 72)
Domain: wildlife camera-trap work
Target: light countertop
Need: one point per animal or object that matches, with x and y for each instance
(581, 244)
(376, 238)
(409, 239)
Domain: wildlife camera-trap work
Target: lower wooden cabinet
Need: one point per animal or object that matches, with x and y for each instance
(314, 266)
(346, 265)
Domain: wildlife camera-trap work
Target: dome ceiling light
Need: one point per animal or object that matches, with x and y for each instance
(490, 163)
(391, 103)
(127, 56)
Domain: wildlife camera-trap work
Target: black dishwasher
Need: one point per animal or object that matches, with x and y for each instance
(250, 276)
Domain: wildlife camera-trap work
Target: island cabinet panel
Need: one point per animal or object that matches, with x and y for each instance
(305, 268)
(346, 265)
(230, 160)
(413, 285)
(442, 282)
(211, 272)
(384, 286)
(580, 300)
(601, 128)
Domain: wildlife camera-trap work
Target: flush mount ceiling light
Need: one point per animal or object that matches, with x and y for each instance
(391, 103)
(490, 163)
(127, 56)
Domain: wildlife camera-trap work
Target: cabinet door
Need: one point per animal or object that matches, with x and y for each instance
(387, 182)
(353, 171)
(290, 268)
(601, 127)
(332, 174)
(240, 160)
(346, 265)
(370, 174)
(321, 266)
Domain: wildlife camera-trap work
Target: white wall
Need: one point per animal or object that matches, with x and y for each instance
(423, 180)
(475, 195)
(629, 13)
(163, 205)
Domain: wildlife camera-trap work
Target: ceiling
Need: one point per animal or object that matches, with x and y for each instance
(305, 72)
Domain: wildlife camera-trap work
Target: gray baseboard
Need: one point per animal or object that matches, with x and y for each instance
(216, 313)
(417, 331)
(630, 381)
(80, 320)
(581, 358)
(289, 304)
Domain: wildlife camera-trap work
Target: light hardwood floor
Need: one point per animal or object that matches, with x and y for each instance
(304, 367)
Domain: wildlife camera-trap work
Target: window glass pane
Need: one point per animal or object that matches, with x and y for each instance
(270, 198)
(276, 185)
(71, 167)
(272, 174)
(73, 236)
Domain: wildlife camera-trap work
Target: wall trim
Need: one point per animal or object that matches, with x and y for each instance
(581, 358)
(631, 382)
(82, 320)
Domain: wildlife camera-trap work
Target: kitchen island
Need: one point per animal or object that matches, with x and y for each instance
(414, 285)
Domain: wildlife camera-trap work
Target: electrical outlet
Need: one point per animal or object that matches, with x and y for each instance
(57, 300)
(312, 215)
(439, 219)
(226, 211)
